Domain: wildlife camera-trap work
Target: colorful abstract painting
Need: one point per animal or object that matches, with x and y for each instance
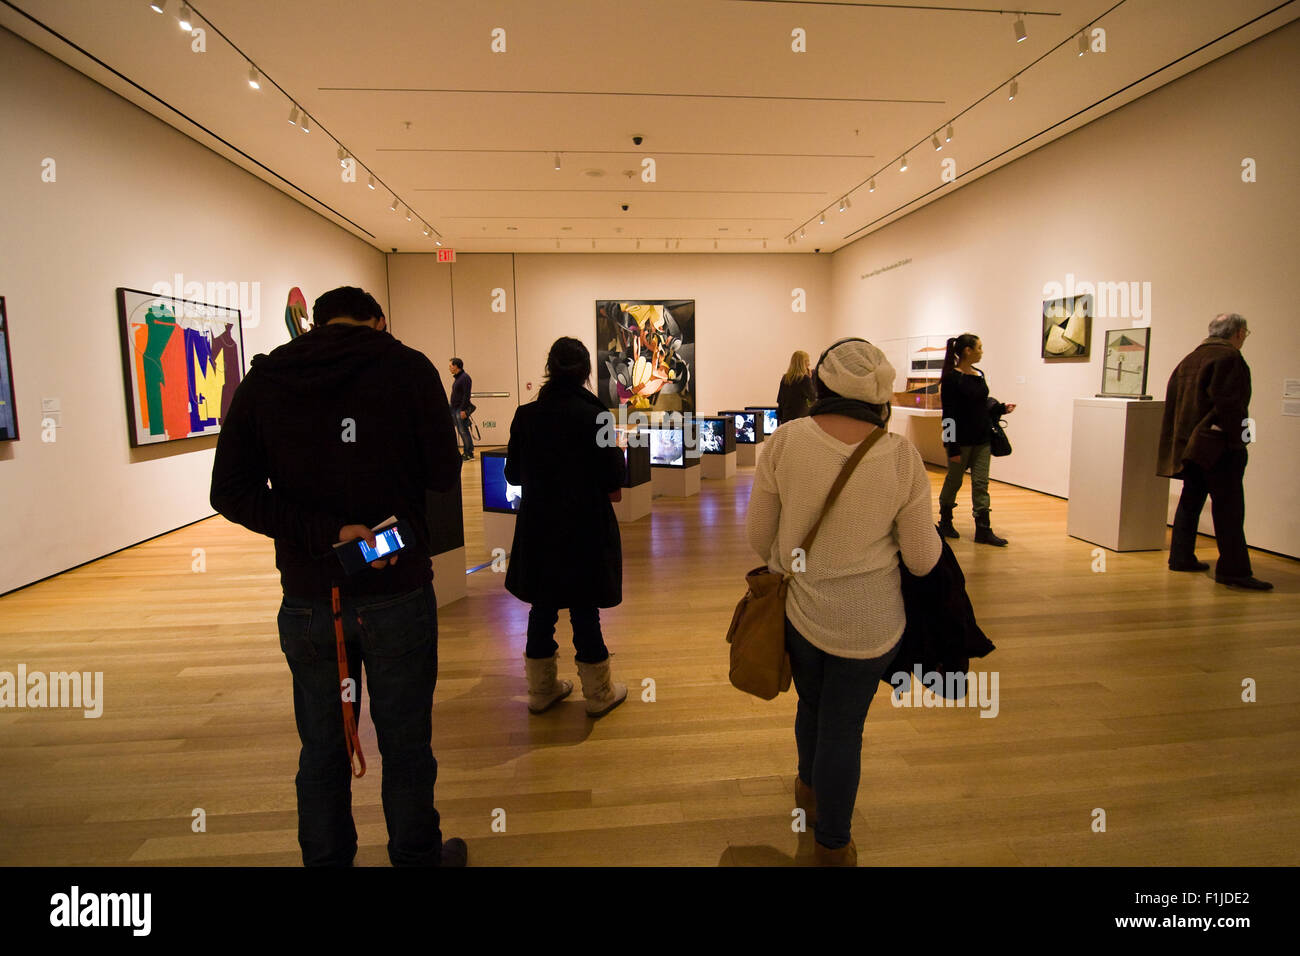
(8, 413)
(295, 313)
(181, 361)
(645, 354)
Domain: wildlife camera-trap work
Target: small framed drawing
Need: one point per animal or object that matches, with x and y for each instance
(1067, 327)
(1124, 369)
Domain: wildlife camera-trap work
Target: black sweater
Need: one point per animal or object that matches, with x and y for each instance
(793, 401)
(349, 426)
(461, 384)
(965, 401)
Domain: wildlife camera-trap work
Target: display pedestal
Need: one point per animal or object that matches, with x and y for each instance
(676, 482)
(746, 455)
(1116, 498)
(718, 466)
(498, 532)
(449, 576)
(635, 503)
(923, 427)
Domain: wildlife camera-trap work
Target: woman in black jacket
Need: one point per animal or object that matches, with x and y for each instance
(967, 433)
(797, 392)
(567, 552)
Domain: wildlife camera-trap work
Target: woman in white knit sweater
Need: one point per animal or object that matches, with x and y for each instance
(844, 606)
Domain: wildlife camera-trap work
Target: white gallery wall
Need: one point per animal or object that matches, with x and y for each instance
(1150, 194)
(746, 326)
(133, 203)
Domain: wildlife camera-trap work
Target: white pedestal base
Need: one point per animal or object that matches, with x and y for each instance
(923, 427)
(746, 455)
(449, 576)
(675, 482)
(498, 532)
(718, 466)
(635, 503)
(1116, 498)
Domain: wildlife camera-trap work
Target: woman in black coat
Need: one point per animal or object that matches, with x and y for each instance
(567, 551)
(797, 393)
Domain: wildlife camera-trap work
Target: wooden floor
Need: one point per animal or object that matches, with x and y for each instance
(1118, 690)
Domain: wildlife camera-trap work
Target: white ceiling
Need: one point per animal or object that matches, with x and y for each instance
(751, 140)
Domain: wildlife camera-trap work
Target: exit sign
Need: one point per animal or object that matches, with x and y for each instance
(446, 255)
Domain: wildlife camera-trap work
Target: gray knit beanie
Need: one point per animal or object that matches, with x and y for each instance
(858, 370)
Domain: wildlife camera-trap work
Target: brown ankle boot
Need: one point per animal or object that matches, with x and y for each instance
(805, 800)
(844, 856)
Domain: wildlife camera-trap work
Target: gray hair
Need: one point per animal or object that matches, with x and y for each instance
(1226, 325)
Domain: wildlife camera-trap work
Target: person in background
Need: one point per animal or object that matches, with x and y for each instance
(461, 387)
(797, 393)
(967, 432)
(1202, 441)
(349, 426)
(567, 551)
(844, 610)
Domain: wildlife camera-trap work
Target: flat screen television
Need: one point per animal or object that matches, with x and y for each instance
(748, 432)
(769, 416)
(637, 458)
(717, 435)
(499, 495)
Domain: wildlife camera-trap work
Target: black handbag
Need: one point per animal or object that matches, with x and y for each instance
(999, 444)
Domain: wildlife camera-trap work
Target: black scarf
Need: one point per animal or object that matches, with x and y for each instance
(849, 407)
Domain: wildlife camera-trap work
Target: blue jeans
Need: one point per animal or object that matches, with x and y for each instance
(396, 637)
(834, 694)
(462, 429)
(588, 642)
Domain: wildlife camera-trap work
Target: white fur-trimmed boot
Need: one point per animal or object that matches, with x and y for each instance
(543, 687)
(602, 694)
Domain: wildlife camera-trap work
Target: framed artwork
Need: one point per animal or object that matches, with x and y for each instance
(1067, 327)
(645, 354)
(8, 413)
(1124, 370)
(181, 362)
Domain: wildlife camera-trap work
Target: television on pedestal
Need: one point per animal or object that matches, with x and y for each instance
(501, 502)
(717, 446)
(749, 435)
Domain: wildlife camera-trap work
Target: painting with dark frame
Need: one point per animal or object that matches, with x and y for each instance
(181, 363)
(8, 409)
(1124, 363)
(1067, 327)
(645, 354)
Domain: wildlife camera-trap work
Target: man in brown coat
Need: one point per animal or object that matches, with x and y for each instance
(1203, 442)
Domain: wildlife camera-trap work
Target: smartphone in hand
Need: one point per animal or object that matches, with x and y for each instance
(391, 536)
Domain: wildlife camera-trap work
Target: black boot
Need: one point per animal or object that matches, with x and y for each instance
(945, 522)
(984, 531)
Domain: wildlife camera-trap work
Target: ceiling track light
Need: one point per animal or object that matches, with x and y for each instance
(871, 186)
(408, 213)
(438, 242)
(1021, 35)
(427, 231)
(715, 243)
(638, 243)
(158, 6)
(593, 243)
(1083, 43)
(293, 115)
(821, 219)
(678, 245)
(254, 78)
(184, 21)
(557, 160)
(1015, 88)
(371, 183)
(802, 232)
(842, 206)
(935, 140)
(903, 166)
(764, 243)
(305, 124)
(342, 155)
(947, 136)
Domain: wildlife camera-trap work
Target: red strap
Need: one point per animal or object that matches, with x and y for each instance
(356, 759)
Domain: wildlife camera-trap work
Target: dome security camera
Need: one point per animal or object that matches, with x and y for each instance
(817, 249)
(637, 140)
(624, 207)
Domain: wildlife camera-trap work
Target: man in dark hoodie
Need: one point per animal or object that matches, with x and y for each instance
(461, 384)
(350, 427)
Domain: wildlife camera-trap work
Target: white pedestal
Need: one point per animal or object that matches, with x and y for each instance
(923, 427)
(449, 576)
(718, 466)
(746, 455)
(1116, 498)
(498, 532)
(675, 482)
(635, 503)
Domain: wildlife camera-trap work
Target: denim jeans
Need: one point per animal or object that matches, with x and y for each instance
(587, 639)
(1223, 485)
(976, 458)
(834, 694)
(396, 638)
(462, 429)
